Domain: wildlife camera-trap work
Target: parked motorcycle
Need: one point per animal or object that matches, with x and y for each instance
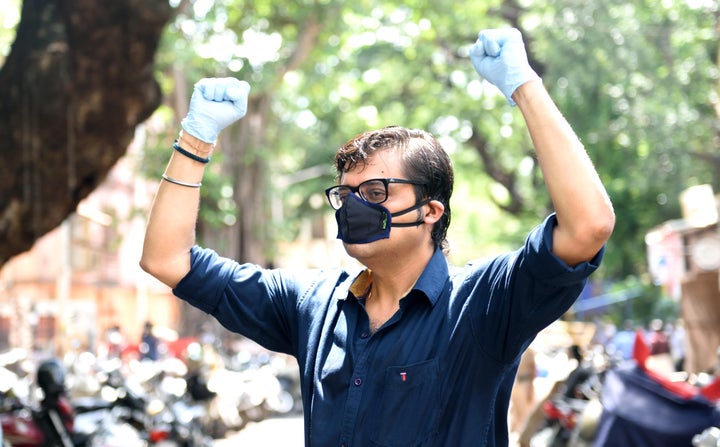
(568, 417)
(58, 421)
(249, 392)
(267, 386)
(52, 422)
(142, 402)
(178, 410)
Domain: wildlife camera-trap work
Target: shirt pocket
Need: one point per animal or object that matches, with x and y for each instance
(408, 409)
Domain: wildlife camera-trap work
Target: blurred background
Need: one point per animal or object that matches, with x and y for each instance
(91, 95)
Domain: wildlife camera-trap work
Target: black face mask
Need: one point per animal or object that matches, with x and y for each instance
(361, 222)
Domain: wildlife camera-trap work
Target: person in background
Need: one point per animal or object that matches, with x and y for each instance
(677, 345)
(578, 371)
(522, 397)
(622, 343)
(113, 343)
(660, 358)
(658, 339)
(148, 343)
(578, 376)
(409, 350)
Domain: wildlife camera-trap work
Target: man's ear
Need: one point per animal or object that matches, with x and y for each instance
(435, 210)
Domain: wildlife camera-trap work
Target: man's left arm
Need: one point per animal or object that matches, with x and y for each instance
(585, 217)
(584, 213)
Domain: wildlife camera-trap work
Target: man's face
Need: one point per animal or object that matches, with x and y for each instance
(387, 164)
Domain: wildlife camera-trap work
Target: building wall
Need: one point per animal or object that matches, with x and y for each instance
(84, 277)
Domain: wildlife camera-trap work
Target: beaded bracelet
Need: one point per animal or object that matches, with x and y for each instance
(177, 147)
(181, 183)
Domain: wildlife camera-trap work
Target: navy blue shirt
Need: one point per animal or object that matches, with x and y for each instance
(438, 373)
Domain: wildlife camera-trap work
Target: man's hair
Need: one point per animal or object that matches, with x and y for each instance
(423, 159)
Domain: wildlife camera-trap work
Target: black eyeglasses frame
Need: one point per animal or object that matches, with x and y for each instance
(336, 204)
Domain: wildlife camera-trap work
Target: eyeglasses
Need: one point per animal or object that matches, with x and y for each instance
(373, 190)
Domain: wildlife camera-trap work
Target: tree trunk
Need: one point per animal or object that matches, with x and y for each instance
(77, 81)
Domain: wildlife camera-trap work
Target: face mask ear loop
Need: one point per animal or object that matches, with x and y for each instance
(418, 222)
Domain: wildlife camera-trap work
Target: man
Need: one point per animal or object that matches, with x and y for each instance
(622, 343)
(522, 395)
(148, 343)
(409, 352)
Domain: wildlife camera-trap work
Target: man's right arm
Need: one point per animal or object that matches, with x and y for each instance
(170, 234)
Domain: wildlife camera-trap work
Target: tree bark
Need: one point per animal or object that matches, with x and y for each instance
(77, 81)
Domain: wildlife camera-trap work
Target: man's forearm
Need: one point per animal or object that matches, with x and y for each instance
(584, 212)
(170, 232)
(215, 104)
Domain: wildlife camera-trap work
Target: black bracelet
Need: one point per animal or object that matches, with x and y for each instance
(177, 147)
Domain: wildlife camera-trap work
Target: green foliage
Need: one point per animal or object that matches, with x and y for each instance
(637, 80)
(9, 18)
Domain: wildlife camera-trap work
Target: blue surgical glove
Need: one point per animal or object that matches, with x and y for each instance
(499, 56)
(215, 104)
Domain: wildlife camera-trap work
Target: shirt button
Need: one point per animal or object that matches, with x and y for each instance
(364, 335)
(358, 381)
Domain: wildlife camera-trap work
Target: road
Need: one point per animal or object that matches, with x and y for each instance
(285, 431)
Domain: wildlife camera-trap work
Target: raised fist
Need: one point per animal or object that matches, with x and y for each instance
(499, 56)
(215, 104)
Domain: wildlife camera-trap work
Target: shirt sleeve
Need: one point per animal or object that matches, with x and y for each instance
(209, 274)
(547, 267)
(281, 309)
(245, 298)
(526, 291)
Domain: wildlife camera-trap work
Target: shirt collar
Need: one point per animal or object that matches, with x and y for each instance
(433, 279)
(361, 284)
(431, 282)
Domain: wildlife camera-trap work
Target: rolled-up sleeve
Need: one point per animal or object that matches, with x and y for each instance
(195, 288)
(523, 292)
(545, 266)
